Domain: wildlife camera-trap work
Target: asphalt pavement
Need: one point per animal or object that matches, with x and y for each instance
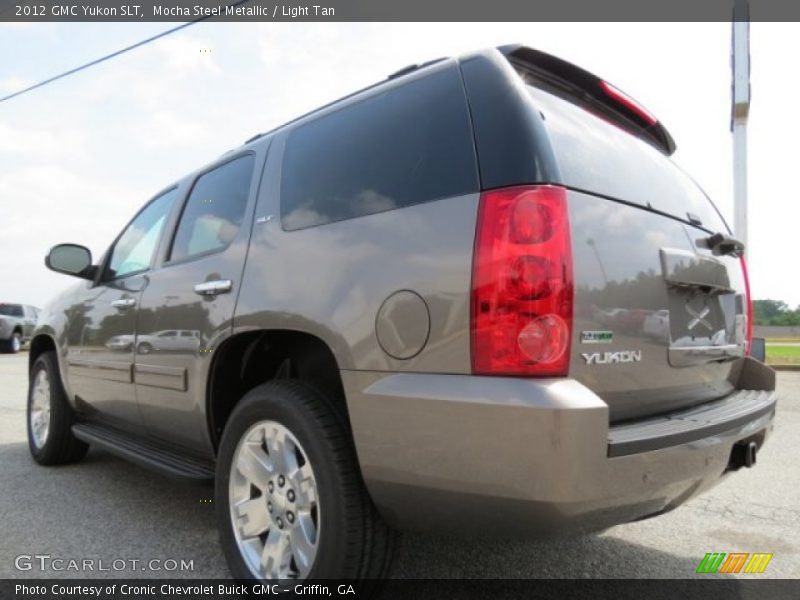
(105, 508)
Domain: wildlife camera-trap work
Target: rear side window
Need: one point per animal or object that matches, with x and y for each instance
(407, 145)
(215, 209)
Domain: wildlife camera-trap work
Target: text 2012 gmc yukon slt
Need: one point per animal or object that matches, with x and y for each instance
(420, 306)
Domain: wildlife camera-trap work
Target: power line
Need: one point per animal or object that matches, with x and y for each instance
(110, 56)
(95, 62)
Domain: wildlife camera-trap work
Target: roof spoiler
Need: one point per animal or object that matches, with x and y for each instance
(581, 87)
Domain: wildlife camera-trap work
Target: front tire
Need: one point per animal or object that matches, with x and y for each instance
(290, 500)
(13, 344)
(50, 417)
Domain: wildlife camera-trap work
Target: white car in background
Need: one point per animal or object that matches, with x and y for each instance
(168, 340)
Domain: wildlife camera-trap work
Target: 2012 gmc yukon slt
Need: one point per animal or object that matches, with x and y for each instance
(420, 306)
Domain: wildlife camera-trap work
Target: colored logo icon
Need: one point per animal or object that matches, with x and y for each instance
(735, 562)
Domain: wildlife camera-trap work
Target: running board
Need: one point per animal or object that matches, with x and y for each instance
(144, 452)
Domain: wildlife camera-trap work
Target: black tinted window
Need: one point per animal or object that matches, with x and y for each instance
(11, 310)
(597, 156)
(215, 209)
(408, 145)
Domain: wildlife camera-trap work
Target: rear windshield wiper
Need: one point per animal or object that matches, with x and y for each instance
(722, 244)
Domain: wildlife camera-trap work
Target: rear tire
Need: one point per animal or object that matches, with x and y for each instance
(50, 416)
(338, 535)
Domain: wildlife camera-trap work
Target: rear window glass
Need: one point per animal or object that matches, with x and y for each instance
(407, 145)
(11, 310)
(596, 156)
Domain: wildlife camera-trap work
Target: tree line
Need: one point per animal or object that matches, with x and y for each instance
(774, 312)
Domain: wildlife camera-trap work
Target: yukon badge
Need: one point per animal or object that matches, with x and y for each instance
(609, 358)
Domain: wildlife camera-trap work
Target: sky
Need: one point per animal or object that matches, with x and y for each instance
(80, 156)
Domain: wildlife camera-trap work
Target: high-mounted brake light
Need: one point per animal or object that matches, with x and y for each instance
(748, 343)
(632, 105)
(522, 284)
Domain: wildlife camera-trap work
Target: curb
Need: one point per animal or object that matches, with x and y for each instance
(785, 367)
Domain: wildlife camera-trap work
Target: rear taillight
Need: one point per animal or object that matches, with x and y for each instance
(522, 284)
(748, 309)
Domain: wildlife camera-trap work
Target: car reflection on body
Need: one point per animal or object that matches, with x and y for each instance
(168, 340)
(120, 343)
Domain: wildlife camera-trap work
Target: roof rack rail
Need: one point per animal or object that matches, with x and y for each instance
(403, 71)
(412, 68)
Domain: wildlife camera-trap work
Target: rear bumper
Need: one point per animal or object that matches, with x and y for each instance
(521, 456)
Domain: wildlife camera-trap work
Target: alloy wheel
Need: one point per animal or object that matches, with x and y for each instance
(274, 505)
(40, 408)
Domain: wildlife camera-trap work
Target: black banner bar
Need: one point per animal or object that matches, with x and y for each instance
(439, 589)
(390, 10)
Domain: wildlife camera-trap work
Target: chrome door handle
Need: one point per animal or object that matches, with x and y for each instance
(212, 288)
(123, 303)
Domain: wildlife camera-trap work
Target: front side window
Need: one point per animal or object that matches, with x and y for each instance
(135, 248)
(215, 209)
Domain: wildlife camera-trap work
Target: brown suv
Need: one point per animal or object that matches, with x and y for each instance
(424, 305)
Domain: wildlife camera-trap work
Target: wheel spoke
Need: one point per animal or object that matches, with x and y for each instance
(304, 485)
(254, 465)
(253, 518)
(278, 449)
(277, 556)
(303, 548)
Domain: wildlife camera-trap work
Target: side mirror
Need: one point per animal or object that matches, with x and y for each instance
(70, 259)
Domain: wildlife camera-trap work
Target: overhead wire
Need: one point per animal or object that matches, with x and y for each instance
(110, 56)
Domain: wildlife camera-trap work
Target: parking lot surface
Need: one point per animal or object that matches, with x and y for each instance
(105, 508)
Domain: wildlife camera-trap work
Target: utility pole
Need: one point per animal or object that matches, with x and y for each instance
(740, 108)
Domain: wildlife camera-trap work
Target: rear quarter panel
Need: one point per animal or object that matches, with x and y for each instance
(331, 280)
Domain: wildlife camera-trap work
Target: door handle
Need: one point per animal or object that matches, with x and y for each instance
(123, 303)
(212, 288)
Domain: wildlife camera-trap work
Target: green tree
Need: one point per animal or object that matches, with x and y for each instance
(765, 311)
